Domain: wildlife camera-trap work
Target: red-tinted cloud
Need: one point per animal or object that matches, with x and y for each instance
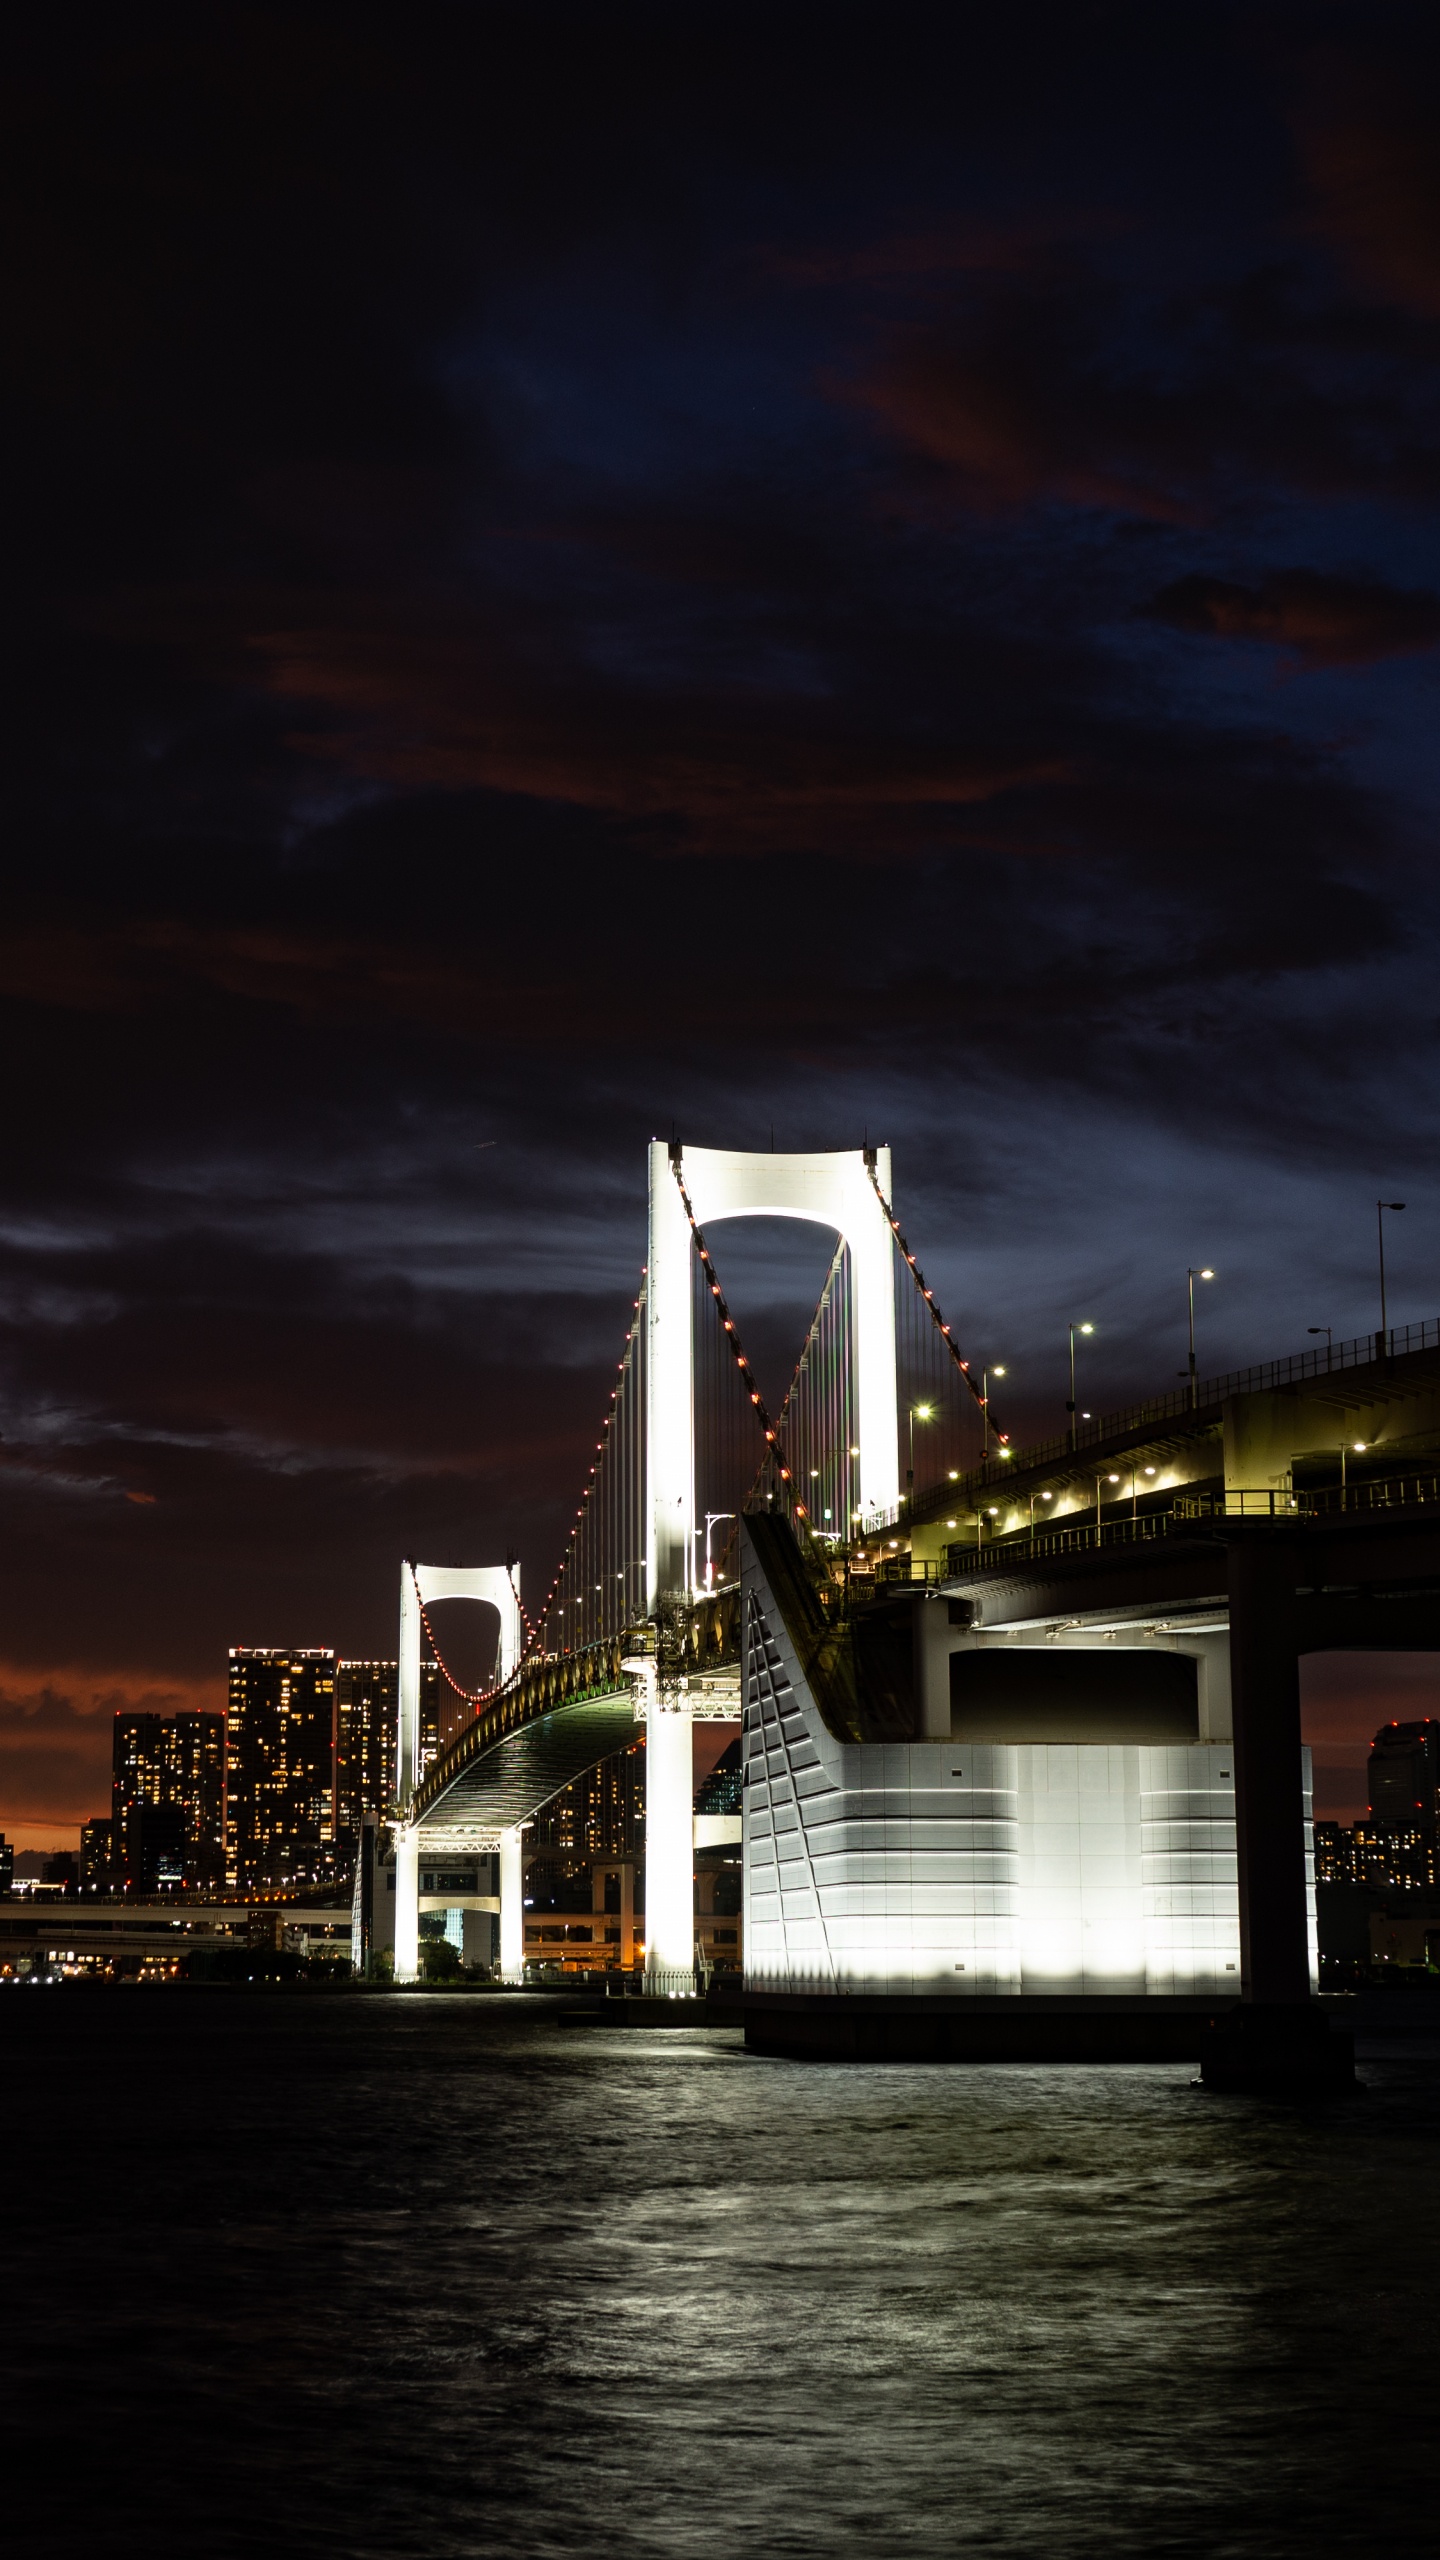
(1371, 151)
(56, 1731)
(1321, 620)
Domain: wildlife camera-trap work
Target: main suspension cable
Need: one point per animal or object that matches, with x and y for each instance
(928, 1296)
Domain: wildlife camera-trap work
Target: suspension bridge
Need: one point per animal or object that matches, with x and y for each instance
(639, 1630)
(1022, 1748)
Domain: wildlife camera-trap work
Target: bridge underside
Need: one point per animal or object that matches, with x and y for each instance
(518, 1775)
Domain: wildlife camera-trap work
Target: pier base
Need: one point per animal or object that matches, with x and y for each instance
(877, 2027)
(1277, 2049)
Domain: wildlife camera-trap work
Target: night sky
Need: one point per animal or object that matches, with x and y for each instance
(574, 570)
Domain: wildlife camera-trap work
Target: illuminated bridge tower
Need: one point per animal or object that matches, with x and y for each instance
(499, 1586)
(697, 1187)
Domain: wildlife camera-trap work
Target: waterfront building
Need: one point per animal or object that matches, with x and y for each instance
(1400, 1829)
(601, 1816)
(7, 1866)
(1334, 1853)
(96, 1860)
(366, 1711)
(167, 1817)
(280, 1767)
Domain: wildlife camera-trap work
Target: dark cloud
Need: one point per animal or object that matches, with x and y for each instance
(1321, 620)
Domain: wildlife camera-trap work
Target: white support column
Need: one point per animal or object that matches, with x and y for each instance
(407, 1736)
(669, 1849)
(512, 1907)
(872, 1322)
(670, 1396)
(407, 1902)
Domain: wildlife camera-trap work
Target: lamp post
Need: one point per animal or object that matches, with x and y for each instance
(1101, 1481)
(710, 1519)
(1329, 1342)
(1382, 1347)
(1191, 1277)
(1070, 1408)
(1034, 1498)
(985, 1410)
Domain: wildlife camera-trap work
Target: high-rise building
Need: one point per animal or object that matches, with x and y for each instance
(1398, 1838)
(601, 1816)
(7, 1865)
(280, 1766)
(167, 1819)
(1404, 1771)
(366, 1713)
(95, 1855)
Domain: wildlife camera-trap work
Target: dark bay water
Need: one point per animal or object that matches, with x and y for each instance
(431, 2276)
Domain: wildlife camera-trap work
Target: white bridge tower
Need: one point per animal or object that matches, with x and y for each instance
(499, 1586)
(838, 1191)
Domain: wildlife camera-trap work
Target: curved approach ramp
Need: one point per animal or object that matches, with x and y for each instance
(556, 1718)
(515, 1777)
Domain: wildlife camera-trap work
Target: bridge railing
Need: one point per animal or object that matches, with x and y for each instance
(1375, 1493)
(1278, 1503)
(962, 1563)
(1209, 1394)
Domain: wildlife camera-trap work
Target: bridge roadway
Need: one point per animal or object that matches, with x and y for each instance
(563, 1712)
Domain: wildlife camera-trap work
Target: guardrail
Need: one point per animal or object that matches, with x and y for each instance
(1210, 1393)
(1278, 1503)
(1374, 1493)
(962, 1563)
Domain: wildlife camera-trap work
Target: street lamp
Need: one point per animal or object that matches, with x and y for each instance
(1192, 1277)
(1070, 1408)
(1382, 1348)
(985, 1409)
(1329, 1342)
(710, 1519)
(1099, 1481)
(1034, 1498)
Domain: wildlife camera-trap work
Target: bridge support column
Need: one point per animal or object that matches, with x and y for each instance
(407, 1903)
(669, 1850)
(1269, 1806)
(1278, 2038)
(512, 1906)
(933, 1646)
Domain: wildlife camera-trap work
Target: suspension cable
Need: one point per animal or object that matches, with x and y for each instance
(928, 1295)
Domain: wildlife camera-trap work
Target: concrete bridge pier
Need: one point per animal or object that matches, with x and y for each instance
(407, 1903)
(1279, 2038)
(669, 1850)
(512, 1905)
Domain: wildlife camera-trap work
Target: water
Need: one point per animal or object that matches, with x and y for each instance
(436, 2275)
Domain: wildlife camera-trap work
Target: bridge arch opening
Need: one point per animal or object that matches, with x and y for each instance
(700, 1188)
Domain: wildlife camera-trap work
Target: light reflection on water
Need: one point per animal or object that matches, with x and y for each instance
(431, 2276)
